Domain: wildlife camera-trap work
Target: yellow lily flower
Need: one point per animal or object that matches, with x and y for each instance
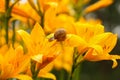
(67, 22)
(57, 21)
(98, 5)
(43, 51)
(106, 41)
(100, 43)
(39, 48)
(12, 63)
(21, 10)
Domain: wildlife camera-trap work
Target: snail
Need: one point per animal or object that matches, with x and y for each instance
(59, 35)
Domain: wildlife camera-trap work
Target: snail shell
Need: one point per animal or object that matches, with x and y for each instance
(60, 34)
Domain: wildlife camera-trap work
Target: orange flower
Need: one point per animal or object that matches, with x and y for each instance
(104, 43)
(57, 21)
(100, 43)
(43, 51)
(39, 48)
(21, 11)
(12, 63)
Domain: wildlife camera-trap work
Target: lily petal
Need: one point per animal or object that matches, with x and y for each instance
(38, 58)
(106, 40)
(98, 5)
(23, 77)
(26, 38)
(74, 40)
(48, 75)
(92, 55)
(87, 30)
(37, 30)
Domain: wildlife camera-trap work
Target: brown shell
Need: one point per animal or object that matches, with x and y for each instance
(60, 34)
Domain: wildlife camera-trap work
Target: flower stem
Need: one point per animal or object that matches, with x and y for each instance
(41, 14)
(71, 74)
(74, 62)
(34, 71)
(7, 16)
(8, 10)
(77, 59)
(13, 37)
(34, 76)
